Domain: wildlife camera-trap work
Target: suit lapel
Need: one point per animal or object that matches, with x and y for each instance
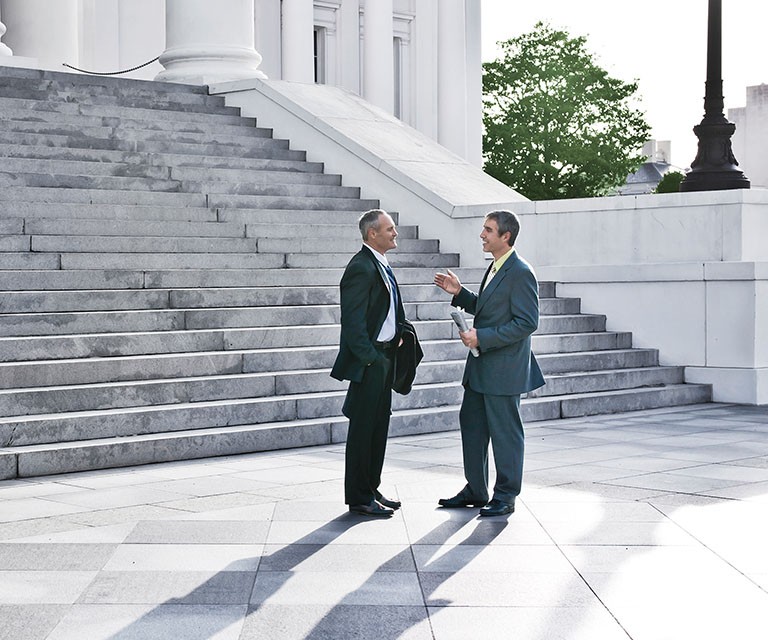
(495, 282)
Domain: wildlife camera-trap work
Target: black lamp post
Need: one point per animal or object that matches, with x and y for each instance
(714, 167)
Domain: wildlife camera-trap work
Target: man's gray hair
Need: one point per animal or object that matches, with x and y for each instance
(369, 220)
(506, 221)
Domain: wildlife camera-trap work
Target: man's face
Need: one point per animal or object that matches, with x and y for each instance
(384, 237)
(492, 242)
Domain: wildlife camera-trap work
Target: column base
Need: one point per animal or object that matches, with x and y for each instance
(209, 65)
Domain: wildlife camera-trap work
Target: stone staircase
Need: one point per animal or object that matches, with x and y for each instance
(169, 290)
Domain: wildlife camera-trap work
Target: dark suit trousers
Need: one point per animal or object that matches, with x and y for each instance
(368, 407)
(485, 418)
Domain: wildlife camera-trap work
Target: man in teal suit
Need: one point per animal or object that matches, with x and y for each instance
(506, 312)
(372, 322)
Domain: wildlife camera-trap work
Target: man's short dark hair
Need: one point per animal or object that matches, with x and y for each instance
(369, 220)
(506, 221)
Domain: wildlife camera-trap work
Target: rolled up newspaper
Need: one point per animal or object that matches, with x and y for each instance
(461, 323)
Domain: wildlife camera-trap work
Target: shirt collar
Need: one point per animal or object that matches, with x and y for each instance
(379, 256)
(497, 264)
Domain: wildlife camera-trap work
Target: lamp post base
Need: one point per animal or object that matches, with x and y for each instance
(715, 168)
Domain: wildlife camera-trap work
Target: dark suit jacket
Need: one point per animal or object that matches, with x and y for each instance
(364, 307)
(506, 314)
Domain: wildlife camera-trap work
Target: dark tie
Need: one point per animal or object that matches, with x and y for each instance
(392, 283)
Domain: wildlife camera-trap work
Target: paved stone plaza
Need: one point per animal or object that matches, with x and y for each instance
(648, 525)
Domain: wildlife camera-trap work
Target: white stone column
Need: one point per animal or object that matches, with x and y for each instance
(45, 30)
(298, 49)
(452, 77)
(378, 61)
(209, 42)
(4, 49)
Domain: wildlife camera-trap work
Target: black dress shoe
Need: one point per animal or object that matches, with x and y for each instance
(391, 504)
(459, 501)
(373, 508)
(497, 508)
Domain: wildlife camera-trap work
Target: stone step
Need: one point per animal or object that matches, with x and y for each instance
(294, 217)
(143, 393)
(184, 133)
(64, 181)
(152, 261)
(41, 280)
(83, 323)
(61, 92)
(111, 228)
(56, 196)
(60, 427)
(227, 352)
(269, 348)
(156, 159)
(234, 180)
(307, 185)
(610, 380)
(290, 202)
(37, 460)
(87, 84)
(159, 172)
(31, 301)
(87, 215)
(257, 148)
(22, 261)
(116, 114)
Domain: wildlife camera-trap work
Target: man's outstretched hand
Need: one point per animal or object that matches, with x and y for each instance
(448, 282)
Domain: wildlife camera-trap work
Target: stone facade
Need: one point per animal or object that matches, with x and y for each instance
(751, 137)
(419, 61)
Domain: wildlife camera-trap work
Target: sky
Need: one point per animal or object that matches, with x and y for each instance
(660, 43)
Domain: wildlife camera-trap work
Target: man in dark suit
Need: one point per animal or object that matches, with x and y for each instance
(372, 320)
(506, 312)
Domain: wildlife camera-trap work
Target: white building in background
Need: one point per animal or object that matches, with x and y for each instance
(419, 60)
(751, 137)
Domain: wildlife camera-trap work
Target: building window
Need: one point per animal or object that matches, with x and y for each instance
(320, 57)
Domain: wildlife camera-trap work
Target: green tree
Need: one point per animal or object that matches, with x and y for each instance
(670, 182)
(556, 124)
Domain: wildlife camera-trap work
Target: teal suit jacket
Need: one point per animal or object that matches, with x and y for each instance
(506, 314)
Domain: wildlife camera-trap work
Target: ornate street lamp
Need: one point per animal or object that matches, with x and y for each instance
(715, 167)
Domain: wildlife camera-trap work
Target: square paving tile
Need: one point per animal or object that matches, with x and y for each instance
(29, 621)
(329, 622)
(198, 532)
(389, 588)
(169, 587)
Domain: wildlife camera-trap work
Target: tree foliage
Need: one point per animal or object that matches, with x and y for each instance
(556, 124)
(670, 182)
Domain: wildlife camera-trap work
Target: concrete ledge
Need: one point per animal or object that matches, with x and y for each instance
(411, 173)
(702, 227)
(742, 386)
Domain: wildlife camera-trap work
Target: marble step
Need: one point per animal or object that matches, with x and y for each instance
(155, 159)
(81, 215)
(187, 133)
(112, 228)
(117, 113)
(248, 148)
(198, 278)
(86, 84)
(280, 347)
(178, 318)
(122, 299)
(113, 368)
(267, 175)
(56, 196)
(143, 393)
(47, 459)
(62, 92)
